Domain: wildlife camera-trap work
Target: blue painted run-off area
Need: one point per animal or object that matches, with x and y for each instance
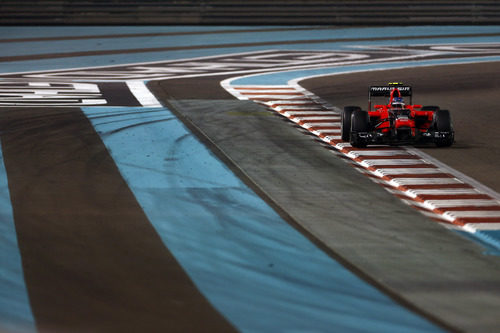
(15, 310)
(256, 269)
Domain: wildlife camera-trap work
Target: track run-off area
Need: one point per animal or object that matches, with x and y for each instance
(176, 179)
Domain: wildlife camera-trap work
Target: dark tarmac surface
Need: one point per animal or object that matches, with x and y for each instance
(422, 265)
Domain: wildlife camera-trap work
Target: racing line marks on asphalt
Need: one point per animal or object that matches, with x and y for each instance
(434, 190)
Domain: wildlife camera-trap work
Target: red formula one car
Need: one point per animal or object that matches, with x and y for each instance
(397, 122)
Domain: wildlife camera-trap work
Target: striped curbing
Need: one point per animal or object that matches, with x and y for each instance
(435, 190)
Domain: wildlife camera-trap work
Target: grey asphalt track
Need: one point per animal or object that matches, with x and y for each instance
(424, 266)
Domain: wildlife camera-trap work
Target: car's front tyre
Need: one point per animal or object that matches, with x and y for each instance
(345, 123)
(360, 126)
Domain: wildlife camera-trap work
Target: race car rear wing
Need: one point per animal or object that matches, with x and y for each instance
(385, 91)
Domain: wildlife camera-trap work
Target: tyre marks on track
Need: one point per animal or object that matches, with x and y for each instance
(91, 258)
(434, 189)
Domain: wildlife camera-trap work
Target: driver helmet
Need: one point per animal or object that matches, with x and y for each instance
(398, 102)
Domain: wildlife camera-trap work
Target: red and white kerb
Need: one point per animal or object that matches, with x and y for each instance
(434, 189)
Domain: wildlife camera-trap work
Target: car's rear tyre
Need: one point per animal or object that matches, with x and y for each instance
(345, 123)
(442, 120)
(360, 123)
(442, 123)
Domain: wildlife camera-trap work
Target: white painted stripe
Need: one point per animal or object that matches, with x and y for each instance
(356, 153)
(484, 226)
(268, 90)
(477, 213)
(252, 92)
(282, 98)
(415, 192)
(329, 131)
(57, 103)
(423, 181)
(391, 161)
(399, 171)
(459, 202)
(332, 124)
(315, 116)
(48, 95)
(240, 97)
(277, 102)
(39, 84)
(328, 138)
(263, 91)
(142, 94)
(305, 112)
(304, 108)
(293, 113)
(343, 145)
(263, 86)
(306, 118)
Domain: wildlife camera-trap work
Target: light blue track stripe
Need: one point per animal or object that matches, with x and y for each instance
(9, 32)
(282, 78)
(15, 310)
(107, 60)
(257, 270)
(101, 44)
(214, 39)
(111, 60)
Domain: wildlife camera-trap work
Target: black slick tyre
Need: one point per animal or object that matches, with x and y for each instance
(345, 123)
(360, 123)
(442, 124)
